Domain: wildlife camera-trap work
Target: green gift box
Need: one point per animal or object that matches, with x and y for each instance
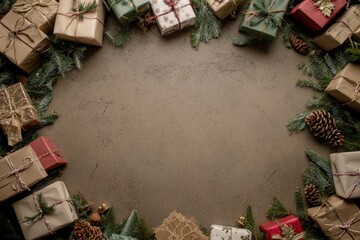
(127, 11)
(263, 18)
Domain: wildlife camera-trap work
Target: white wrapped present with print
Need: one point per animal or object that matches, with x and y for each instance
(219, 232)
(173, 15)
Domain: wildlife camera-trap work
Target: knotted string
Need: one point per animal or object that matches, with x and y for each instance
(27, 162)
(356, 89)
(173, 230)
(172, 4)
(263, 16)
(349, 174)
(234, 4)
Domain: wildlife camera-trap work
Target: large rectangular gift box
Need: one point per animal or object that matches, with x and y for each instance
(273, 229)
(260, 24)
(218, 232)
(311, 17)
(17, 112)
(73, 24)
(48, 153)
(338, 218)
(345, 86)
(19, 171)
(56, 196)
(127, 11)
(340, 31)
(22, 42)
(40, 12)
(223, 8)
(173, 15)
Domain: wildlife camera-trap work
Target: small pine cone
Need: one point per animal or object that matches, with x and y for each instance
(312, 195)
(336, 138)
(84, 231)
(299, 44)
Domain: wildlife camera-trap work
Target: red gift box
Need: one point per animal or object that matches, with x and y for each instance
(274, 227)
(311, 17)
(47, 152)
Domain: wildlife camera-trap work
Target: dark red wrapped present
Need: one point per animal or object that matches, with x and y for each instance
(311, 17)
(287, 225)
(47, 152)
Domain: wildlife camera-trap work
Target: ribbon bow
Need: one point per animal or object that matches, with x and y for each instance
(263, 12)
(25, 7)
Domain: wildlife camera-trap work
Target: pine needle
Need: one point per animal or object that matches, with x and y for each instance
(277, 210)
(121, 38)
(298, 124)
(85, 7)
(245, 40)
(207, 25)
(81, 205)
(45, 208)
(250, 223)
(310, 84)
(300, 207)
(109, 225)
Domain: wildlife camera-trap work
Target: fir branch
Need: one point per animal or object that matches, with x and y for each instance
(300, 207)
(245, 40)
(250, 223)
(5, 6)
(84, 8)
(45, 208)
(310, 84)
(81, 205)
(207, 26)
(109, 225)
(277, 210)
(121, 38)
(298, 124)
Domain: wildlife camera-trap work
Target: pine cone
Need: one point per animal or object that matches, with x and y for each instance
(84, 231)
(312, 195)
(323, 126)
(299, 44)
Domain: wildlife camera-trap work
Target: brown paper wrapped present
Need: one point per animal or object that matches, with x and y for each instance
(19, 171)
(36, 224)
(40, 12)
(16, 112)
(345, 86)
(341, 30)
(22, 42)
(78, 25)
(338, 218)
(223, 8)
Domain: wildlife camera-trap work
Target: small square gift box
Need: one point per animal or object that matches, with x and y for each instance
(173, 15)
(40, 12)
(22, 42)
(218, 232)
(48, 153)
(127, 11)
(338, 218)
(340, 31)
(345, 86)
(263, 18)
(80, 21)
(16, 112)
(19, 171)
(223, 8)
(34, 216)
(284, 228)
(309, 14)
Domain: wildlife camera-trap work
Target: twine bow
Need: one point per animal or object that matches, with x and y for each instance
(263, 12)
(345, 227)
(20, 184)
(356, 89)
(234, 4)
(350, 174)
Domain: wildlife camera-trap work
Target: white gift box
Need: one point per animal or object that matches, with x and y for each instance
(218, 232)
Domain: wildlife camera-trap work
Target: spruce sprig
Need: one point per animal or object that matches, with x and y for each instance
(84, 8)
(251, 225)
(45, 208)
(277, 210)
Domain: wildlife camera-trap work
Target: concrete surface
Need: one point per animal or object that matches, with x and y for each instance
(159, 126)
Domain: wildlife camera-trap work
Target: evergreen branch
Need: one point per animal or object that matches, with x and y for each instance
(245, 40)
(300, 207)
(250, 223)
(109, 225)
(81, 205)
(310, 84)
(207, 26)
(121, 38)
(277, 210)
(45, 208)
(298, 124)
(5, 6)
(321, 162)
(84, 8)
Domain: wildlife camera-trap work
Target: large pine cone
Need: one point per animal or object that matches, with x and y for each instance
(299, 44)
(322, 124)
(84, 231)
(312, 195)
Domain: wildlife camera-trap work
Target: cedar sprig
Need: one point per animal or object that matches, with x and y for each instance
(84, 8)
(277, 210)
(45, 208)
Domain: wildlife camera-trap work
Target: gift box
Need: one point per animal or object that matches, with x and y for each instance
(35, 224)
(19, 171)
(22, 42)
(280, 227)
(40, 12)
(311, 17)
(173, 15)
(338, 218)
(223, 8)
(340, 31)
(218, 232)
(47, 152)
(127, 11)
(263, 18)
(345, 86)
(16, 112)
(73, 23)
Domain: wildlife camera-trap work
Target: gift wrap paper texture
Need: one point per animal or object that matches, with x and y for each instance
(218, 232)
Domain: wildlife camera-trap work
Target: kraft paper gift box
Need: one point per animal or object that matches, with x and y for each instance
(275, 228)
(340, 31)
(30, 171)
(344, 86)
(72, 25)
(16, 112)
(311, 17)
(40, 12)
(338, 218)
(218, 232)
(257, 24)
(127, 11)
(22, 42)
(223, 8)
(55, 195)
(173, 15)
(48, 153)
